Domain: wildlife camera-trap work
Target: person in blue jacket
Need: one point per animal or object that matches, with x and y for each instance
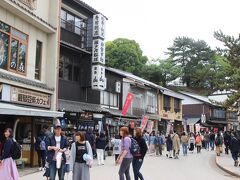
(56, 144)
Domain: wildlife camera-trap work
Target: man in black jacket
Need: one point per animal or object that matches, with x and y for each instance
(234, 147)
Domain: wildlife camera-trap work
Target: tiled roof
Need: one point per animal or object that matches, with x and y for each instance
(117, 112)
(88, 7)
(24, 81)
(73, 106)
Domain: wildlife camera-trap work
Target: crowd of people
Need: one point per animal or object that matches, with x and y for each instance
(59, 155)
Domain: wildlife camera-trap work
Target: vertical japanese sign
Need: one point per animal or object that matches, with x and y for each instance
(127, 103)
(98, 53)
(98, 77)
(144, 122)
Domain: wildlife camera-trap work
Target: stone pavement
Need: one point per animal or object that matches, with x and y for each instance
(194, 166)
(225, 162)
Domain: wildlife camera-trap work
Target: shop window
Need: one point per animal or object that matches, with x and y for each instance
(109, 99)
(74, 24)
(167, 103)
(13, 58)
(177, 105)
(38, 60)
(69, 68)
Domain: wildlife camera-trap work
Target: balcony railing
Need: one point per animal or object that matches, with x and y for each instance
(73, 34)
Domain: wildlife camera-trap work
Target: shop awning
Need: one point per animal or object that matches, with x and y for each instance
(118, 113)
(73, 106)
(154, 117)
(11, 109)
(192, 121)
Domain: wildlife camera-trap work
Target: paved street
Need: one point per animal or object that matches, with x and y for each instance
(194, 166)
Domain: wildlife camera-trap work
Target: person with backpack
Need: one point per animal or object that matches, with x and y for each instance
(81, 158)
(125, 158)
(234, 146)
(101, 143)
(218, 143)
(8, 168)
(198, 142)
(40, 147)
(159, 144)
(138, 158)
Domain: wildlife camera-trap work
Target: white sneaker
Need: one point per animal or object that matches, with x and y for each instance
(40, 169)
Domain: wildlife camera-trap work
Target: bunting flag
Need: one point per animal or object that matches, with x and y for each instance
(127, 103)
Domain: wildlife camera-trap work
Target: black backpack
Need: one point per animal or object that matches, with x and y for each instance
(135, 148)
(17, 150)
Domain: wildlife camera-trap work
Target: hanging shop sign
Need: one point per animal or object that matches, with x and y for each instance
(99, 24)
(98, 51)
(86, 116)
(99, 80)
(28, 97)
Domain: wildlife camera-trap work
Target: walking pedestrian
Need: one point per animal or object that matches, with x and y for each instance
(101, 143)
(152, 138)
(227, 140)
(56, 147)
(191, 142)
(91, 139)
(207, 140)
(138, 160)
(218, 143)
(40, 147)
(8, 168)
(198, 143)
(169, 145)
(159, 144)
(125, 158)
(184, 141)
(81, 158)
(116, 146)
(212, 140)
(234, 147)
(176, 145)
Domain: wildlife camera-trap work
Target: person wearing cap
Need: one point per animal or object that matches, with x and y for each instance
(56, 144)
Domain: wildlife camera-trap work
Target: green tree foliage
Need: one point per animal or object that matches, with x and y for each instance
(126, 55)
(231, 52)
(196, 60)
(162, 72)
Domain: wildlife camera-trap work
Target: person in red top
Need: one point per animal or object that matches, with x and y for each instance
(198, 142)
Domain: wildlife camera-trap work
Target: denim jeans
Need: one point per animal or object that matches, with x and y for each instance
(184, 146)
(53, 170)
(137, 164)
(124, 169)
(212, 145)
(207, 145)
(235, 155)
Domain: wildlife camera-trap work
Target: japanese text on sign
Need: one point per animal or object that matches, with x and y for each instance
(98, 51)
(99, 26)
(98, 77)
(23, 96)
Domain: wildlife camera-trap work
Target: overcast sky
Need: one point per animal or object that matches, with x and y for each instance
(155, 23)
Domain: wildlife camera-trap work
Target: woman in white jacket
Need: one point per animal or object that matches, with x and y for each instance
(81, 158)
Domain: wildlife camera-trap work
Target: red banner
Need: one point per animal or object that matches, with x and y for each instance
(127, 103)
(144, 122)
